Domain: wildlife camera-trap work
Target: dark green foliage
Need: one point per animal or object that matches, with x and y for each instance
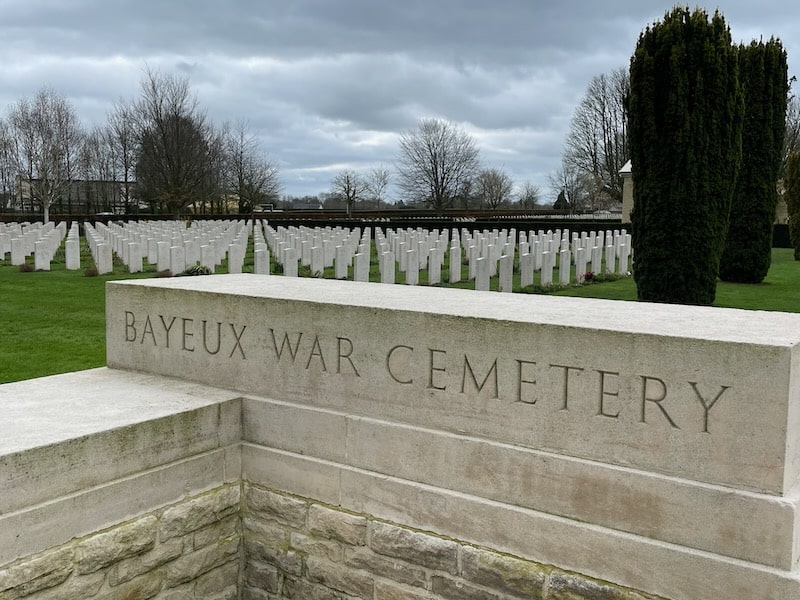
(791, 184)
(763, 73)
(685, 120)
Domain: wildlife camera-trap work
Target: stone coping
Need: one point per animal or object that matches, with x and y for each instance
(672, 320)
(49, 410)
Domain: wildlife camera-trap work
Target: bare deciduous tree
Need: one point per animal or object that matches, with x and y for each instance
(530, 195)
(350, 187)
(123, 143)
(47, 135)
(434, 160)
(377, 181)
(8, 165)
(494, 188)
(250, 177)
(597, 144)
(791, 143)
(98, 169)
(175, 160)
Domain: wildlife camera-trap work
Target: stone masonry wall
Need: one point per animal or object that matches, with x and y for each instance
(299, 549)
(186, 551)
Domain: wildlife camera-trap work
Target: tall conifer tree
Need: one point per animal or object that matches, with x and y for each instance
(764, 75)
(685, 119)
(791, 184)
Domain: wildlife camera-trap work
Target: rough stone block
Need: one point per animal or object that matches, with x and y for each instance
(141, 587)
(121, 542)
(301, 589)
(415, 547)
(199, 512)
(77, 586)
(503, 573)
(289, 561)
(218, 582)
(389, 591)
(129, 568)
(36, 573)
(316, 547)
(262, 576)
(284, 509)
(457, 589)
(190, 566)
(565, 586)
(337, 577)
(226, 528)
(390, 568)
(338, 525)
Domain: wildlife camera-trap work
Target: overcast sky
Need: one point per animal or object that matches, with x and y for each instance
(331, 84)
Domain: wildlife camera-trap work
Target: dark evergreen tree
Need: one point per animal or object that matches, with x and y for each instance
(685, 120)
(791, 184)
(765, 85)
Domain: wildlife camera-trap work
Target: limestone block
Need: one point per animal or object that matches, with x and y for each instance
(99, 551)
(661, 388)
(329, 523)
(502, 573)
(227, 527)
(401, 572)
(36, 573)
(566, 586)
(335, 576)
(289, 561)
(262, 576)
(450, 588)
(267, 532)
(199, 512)
(284, 509)
(127, 569)
(143, 587)
(390, 591)
(314, 546)
(76, 586)
(218, 582)
(418, 548)
(190, 566)
(296, 588)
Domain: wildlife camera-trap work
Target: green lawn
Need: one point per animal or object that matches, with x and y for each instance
(53, 322)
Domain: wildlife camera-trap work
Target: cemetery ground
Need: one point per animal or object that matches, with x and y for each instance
(54, 321)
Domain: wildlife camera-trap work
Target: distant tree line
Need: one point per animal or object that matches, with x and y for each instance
(158, 153)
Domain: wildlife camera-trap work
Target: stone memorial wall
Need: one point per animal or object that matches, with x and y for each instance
(413, 443)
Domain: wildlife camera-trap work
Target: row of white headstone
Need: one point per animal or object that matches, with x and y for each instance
(39, 240)
(174, 246)
(487, 254)
(169, 245)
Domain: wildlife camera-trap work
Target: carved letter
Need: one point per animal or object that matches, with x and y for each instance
(347, 356)
(389, 364)
(148, 330)
(567, 369)
(186, 334)
(285, 344)
(468, 367)
(520, 380)
(237, 340)
(166, 328)
(130, 326)
(316, 350)
(431, 385)
(707, 405)
(205, 337)
(604, 393)
(656, 401)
